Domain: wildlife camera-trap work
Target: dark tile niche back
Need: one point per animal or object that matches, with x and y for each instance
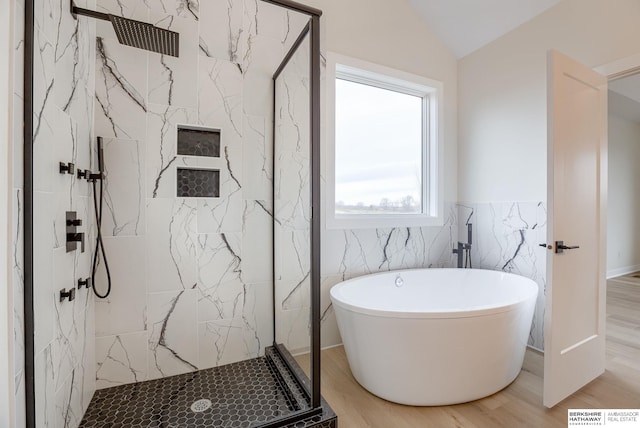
(198, 183)
(198, 142)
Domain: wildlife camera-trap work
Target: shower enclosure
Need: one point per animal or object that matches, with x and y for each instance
(210, 163)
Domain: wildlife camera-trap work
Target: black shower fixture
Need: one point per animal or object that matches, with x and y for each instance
(67, 168)
(97, 181)
(137, 34)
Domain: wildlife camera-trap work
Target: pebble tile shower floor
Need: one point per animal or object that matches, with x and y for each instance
(242, 394)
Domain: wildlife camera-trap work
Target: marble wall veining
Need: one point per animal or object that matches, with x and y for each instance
(192, 277)
(63, 121)
(506, 237)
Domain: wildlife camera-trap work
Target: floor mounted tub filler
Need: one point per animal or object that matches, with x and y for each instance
(432, 337)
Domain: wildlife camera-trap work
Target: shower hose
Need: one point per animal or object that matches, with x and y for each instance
(97, 206)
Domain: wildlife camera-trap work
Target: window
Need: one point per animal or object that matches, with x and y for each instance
(385, 138)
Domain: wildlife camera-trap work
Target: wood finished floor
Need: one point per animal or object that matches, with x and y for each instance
(518, 405)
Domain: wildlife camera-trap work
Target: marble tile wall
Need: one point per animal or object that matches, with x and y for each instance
(192, 277)
(63, 120)
(506, 237)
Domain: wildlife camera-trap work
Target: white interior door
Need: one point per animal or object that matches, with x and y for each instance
(577, 185)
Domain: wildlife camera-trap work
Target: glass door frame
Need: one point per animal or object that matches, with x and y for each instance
(312, 29)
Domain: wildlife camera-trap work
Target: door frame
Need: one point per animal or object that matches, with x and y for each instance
(617, 70)
(620, 68)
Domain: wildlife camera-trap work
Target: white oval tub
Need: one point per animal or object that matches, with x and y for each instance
(445, 336)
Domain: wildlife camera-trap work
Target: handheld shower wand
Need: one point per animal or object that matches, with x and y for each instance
(97, 206)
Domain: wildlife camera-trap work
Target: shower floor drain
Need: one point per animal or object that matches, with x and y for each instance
(201, 405)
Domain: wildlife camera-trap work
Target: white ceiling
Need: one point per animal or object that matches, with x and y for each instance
(467, 25)
(624, 97)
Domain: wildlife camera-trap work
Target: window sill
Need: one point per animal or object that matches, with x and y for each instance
(382, 222)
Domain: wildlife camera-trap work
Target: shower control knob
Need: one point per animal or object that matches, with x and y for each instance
(84, 174)
(67, 168)
(64, 294)
(74, 222)
(73, 239)
(86, 283)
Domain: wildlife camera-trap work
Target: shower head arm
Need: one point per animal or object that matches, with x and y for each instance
(90, 13)
(137, 34)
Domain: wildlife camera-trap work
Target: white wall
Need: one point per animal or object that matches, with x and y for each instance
(6, 294)
(623, 228)
(502, 94)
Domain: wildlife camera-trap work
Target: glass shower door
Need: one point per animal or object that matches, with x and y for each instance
(292, 203)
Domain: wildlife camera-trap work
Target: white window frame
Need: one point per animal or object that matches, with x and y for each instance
(431, 91)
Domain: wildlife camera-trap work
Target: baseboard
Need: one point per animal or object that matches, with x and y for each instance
(324, 348)
(612, 273)
(304, 351)
(533, 348)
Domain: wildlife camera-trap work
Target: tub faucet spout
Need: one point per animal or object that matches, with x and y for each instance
(464, 249)
(460, 252)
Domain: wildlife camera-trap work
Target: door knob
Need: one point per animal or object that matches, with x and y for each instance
(560, 247)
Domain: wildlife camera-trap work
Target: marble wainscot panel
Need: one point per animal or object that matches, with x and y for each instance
(506, 236)
(355, 252)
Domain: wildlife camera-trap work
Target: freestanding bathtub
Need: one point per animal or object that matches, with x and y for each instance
(431, 337)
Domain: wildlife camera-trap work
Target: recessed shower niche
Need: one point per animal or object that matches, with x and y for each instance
(200, 143)
(195, 141)
(197, 183)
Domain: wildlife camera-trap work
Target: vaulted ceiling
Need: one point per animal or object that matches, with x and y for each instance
(467, 25)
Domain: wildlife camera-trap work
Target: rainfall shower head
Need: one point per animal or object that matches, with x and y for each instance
(137, 34)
